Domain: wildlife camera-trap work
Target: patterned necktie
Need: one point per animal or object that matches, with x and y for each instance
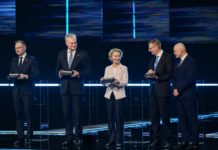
(156, 62)
(179, 63)
(70, 60)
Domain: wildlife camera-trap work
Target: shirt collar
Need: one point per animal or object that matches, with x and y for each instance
(69, 51)
(183, 57)
(159, 54)
(23, 55)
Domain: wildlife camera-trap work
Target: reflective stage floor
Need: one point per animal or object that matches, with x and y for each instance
(136, 136)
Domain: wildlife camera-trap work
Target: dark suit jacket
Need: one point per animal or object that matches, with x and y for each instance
(164, 71)
(81, 64)
(29, 67)
(185, 79)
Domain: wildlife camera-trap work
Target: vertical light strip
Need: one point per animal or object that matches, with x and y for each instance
(133, 20)
(67, 16)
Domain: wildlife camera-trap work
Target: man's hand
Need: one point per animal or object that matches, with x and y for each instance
(151, 74)
(23, 76)
(75, 74)
(175, 92)
(150, 71)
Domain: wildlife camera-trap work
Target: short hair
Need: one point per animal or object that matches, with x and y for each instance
(181, 45)
(20, 41)
(155, 41)
(70, 35)
(115, 50)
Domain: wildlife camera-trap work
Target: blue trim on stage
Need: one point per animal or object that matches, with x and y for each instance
(98, 85)
(103, 127)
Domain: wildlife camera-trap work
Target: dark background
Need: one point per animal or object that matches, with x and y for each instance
(100, 26)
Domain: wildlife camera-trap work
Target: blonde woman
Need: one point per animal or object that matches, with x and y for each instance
(117, 76)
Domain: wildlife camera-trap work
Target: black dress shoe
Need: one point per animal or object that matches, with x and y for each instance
(193, 146)
(109, 145)
(118, 146)
(19, 143)
(166, 145)
(154, 144)
(78, 142)
(67, 144)
(182, 146)
(28, 141)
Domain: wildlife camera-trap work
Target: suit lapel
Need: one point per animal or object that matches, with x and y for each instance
(65, 59)
(118, 73)
(184, 61)
(16, 65)
(160, 61)
(25, 61)
(119, 70)
(75, 59)
(183, 64)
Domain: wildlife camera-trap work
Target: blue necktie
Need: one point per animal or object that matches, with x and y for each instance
(70, 59)
(156, 62)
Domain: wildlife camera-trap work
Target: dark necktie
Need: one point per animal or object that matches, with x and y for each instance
(20, 63)
(179, 63)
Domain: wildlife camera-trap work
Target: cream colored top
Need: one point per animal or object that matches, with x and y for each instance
(121, 74)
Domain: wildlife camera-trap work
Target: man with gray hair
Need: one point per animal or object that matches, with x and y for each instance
(72, 65)
(184, 90)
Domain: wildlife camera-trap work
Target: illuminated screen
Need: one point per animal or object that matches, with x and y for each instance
(85, 17)
(7, 17)
(152, 19)
(118, 20)
(45, 19)
(194, 20)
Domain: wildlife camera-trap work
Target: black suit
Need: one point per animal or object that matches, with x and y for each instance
(23, 90)
(184, 82)
(159, 98)
(71, 88)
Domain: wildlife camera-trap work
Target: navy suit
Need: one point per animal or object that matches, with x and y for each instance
(23, 90)
(71, 88)
(184, 82)
(159, 98)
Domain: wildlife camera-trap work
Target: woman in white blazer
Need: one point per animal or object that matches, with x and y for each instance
(117, 76)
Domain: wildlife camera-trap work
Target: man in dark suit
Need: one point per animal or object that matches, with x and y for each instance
(186, 96)
(160, 68)
(26, 67)
(76, 61)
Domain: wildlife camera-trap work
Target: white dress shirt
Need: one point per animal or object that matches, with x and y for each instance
(68, 54)
(183, 58)
(23, 57)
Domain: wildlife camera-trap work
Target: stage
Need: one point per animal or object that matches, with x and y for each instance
(136, 136)
(101, 25)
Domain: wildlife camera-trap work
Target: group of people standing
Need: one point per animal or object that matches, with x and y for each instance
(73, 64)
(183, 75)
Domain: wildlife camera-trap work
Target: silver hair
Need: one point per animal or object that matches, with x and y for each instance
(70, 35)
(115, 50)
(20, 41)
